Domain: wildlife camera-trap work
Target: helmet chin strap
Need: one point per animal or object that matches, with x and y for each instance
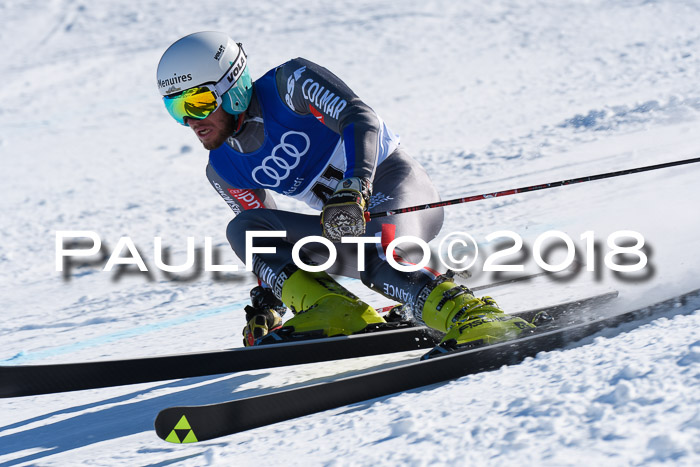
(245, 117)
(240, 118)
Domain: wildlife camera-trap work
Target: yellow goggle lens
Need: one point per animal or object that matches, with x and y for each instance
(196, 102)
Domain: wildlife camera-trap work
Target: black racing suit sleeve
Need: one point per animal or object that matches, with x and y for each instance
(309, 88)
(239, 199)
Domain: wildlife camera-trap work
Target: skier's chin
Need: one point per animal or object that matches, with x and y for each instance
(211, 141)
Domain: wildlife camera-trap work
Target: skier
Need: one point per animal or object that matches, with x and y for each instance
(301, 132)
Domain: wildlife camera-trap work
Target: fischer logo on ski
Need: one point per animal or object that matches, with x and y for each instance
(182, 433)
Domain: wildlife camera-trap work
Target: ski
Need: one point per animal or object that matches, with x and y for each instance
(199, 423)
(30, 380)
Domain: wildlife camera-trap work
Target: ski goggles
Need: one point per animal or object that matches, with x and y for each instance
(200, 101)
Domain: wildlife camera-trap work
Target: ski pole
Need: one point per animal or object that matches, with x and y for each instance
(526, 189)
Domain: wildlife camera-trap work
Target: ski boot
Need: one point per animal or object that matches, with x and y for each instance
(467, 321)
(323, 307)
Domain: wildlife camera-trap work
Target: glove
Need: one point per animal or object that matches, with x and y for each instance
(344, 214)
(263, 316)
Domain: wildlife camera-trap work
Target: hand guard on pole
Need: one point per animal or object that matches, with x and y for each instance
(263, 316)
(345, 213)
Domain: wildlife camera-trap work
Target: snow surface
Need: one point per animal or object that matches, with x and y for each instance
(487, 95)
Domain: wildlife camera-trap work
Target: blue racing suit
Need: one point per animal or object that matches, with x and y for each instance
(304, 131)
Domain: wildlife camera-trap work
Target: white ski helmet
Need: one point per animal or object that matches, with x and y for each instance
(202, 71)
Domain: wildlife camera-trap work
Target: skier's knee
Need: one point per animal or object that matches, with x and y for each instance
(236, 230)
(250, 220)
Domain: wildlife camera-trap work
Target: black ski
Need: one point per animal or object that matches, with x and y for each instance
(199, 423)
(29, 380)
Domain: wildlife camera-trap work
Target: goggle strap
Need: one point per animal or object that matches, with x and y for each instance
(233, 74)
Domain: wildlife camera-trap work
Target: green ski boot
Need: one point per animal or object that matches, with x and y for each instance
(319, 303)
(467, 320)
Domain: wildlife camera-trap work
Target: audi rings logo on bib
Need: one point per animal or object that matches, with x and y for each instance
(284, 158)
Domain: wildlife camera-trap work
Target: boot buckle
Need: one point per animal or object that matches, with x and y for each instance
(451, 294)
